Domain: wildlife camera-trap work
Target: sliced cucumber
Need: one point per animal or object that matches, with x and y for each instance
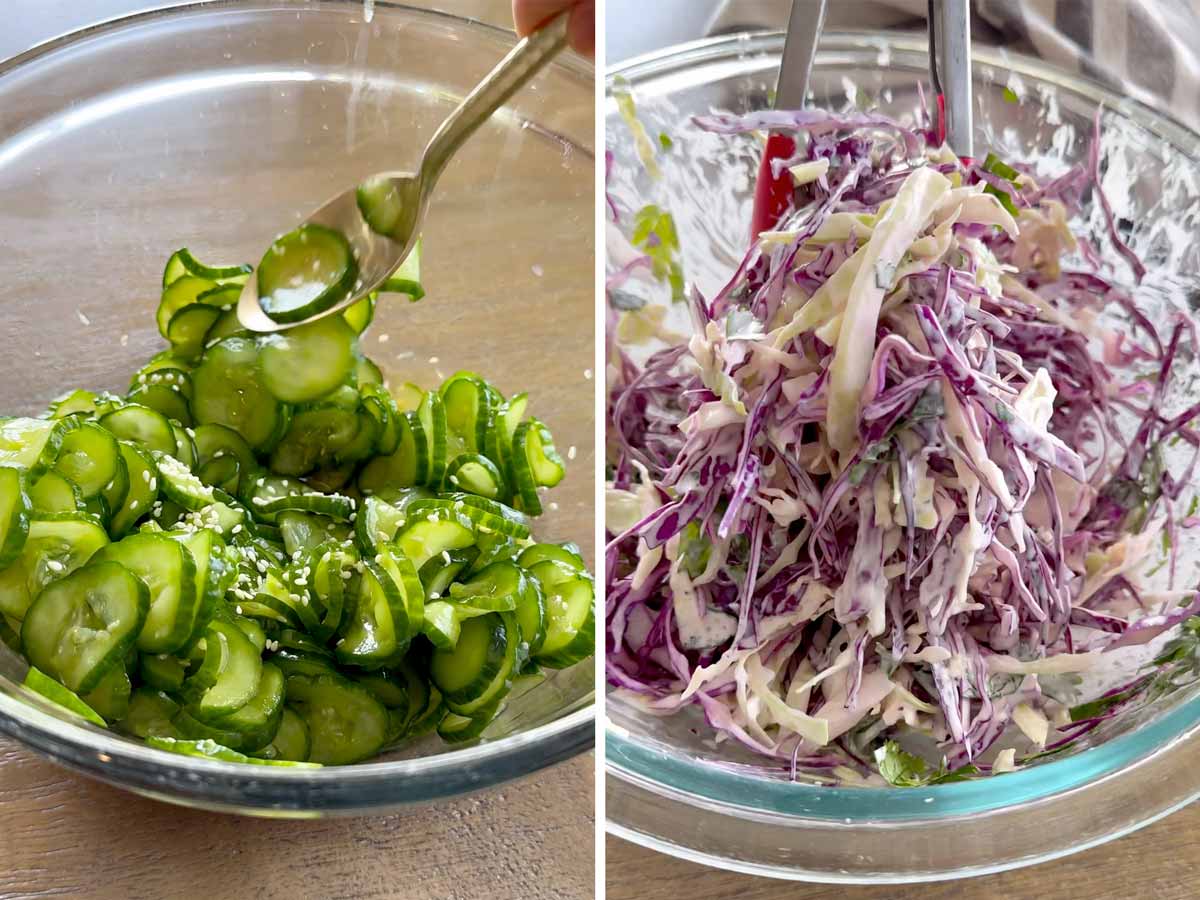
(47, 687)
(305, 363)
(140, 425)
(53, 493)
(83, 625)
(89, 457)
(431, 536)
(481, 665)
(15, 509)
(32, 444)
(305, 272)
(345, 721)
(570, 614)
(169, 572)
(55, 547)
(229, 392)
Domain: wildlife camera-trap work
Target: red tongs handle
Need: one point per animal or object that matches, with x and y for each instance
(772, 195)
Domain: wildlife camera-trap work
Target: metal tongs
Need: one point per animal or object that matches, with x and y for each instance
(949, 70)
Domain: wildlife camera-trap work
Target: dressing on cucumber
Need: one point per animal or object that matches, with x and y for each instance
(261, 554)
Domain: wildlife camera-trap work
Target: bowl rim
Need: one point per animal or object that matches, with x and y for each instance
(642, 765)
(31, 721)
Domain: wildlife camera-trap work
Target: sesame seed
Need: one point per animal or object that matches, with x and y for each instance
(84, 320)
(434, 595)
(571, 452)
(124, 340)
(553, 505)
(383, 338)
(433, 360)
(587, 373)
(537, 270)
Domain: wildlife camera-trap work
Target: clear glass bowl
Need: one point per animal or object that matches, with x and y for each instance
(668, 786)
(216, 126)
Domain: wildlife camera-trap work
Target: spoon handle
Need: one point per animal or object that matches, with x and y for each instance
(513, 72)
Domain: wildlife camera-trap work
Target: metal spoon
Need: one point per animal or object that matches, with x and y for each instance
(378, 255)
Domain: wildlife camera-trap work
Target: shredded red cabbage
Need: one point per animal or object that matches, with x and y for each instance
(899, 481)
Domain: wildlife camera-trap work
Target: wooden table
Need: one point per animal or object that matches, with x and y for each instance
(1160, 862)
(62, 835)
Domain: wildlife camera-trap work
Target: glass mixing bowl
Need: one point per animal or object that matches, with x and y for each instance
(668, 786)
(215, 126)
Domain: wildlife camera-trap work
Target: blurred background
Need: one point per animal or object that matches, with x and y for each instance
(1148, 49)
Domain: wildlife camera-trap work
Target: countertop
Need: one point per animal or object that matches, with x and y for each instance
(63, 835)
(1162, 861)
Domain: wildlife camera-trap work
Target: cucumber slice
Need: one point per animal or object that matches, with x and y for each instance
(183, 263)
(305, 363)
(258, 720)
(72, 403)
(52, 493)
(230, 393)
(169, 572)
(377, 523)
(345, 721)
(376, 631)
(150, 714)
(432, 416)
(407, 278)
(237, 680)
(535, 463)
(143, 489)
(189, 327)
(32, 444)
(570, 615)
(458, 729)
(408, 466)
(218, 442)
(209, 749)
(497, 588)
(531, 617)
(379, 202)
(467, 413)
(487, 516)
(335, 506)
(110, 698)
(15, 509)
(83, 625)
(180, 485)
(181, 292)
(431, 536)
(567, 553)
(438, 572)
(360, 315)
(213, 576)
(185, 447)
(89, 457)
(140, 425)
(315, 437)
(291, 741)
(42, 684)
(475, 474)
(162, 672)
(305, 272)
(54, 548)
(480, 666)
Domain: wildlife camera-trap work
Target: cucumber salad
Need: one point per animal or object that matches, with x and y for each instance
(263, 553)
(922, 465)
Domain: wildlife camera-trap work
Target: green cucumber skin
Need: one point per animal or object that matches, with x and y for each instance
(242, 661)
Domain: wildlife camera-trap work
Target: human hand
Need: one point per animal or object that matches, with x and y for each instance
(581, 30)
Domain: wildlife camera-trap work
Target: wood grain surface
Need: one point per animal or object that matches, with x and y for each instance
(1160, 862)
(62, 835)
